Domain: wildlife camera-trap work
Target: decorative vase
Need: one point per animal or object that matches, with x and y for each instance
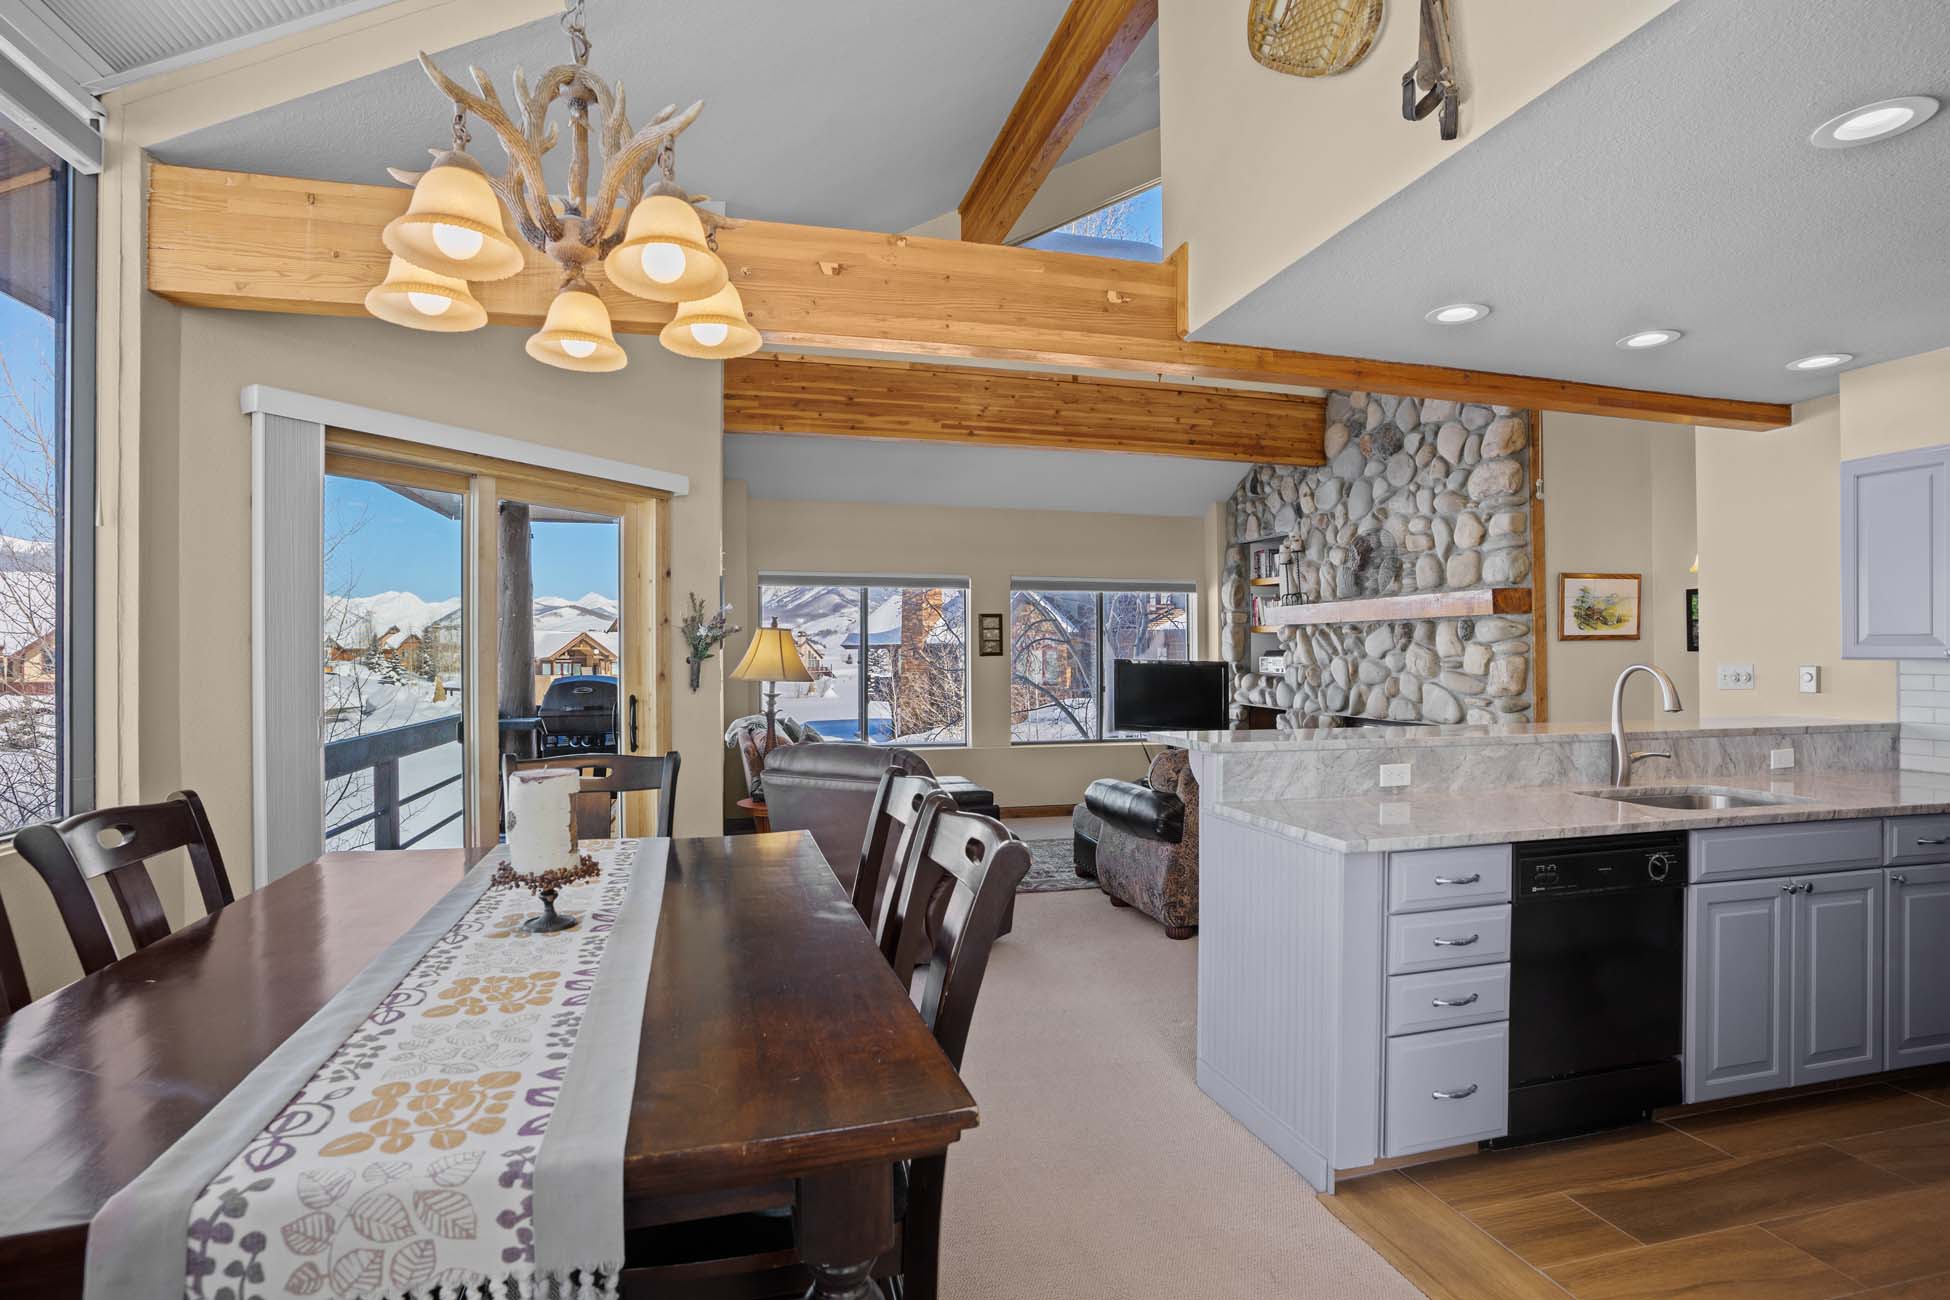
(697, 667)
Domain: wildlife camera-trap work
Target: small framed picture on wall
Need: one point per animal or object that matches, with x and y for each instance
(989, 634)
(1692, 619)
(1597, 606)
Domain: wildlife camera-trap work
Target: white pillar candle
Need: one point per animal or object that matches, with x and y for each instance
(540, 834)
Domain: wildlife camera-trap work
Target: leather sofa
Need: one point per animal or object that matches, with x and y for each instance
(1141, 840)
(828, 789)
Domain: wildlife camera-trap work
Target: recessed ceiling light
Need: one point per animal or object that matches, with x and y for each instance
(1822, 361)
(1877, 121)
(1458, 313)
(1647, 339)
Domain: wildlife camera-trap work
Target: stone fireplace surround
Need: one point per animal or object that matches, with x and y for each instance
(1416, 496)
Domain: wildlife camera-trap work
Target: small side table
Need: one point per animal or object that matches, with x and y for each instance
(760, 818)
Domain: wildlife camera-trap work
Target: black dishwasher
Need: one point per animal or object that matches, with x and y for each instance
(1597, 982)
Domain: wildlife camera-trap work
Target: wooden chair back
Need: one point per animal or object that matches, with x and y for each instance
(960, 872)
(896, 808)
(604, 776)
(117, 843)
(13, 977)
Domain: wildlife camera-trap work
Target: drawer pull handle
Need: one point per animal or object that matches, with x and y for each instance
(1453, 1094)
(1455, 1002)
(1941, 839)
(1469, 879)
(1456, 943)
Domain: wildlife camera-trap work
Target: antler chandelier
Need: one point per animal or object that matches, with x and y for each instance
(452, 231)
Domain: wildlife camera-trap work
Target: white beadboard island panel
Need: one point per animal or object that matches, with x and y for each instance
(1290, 994)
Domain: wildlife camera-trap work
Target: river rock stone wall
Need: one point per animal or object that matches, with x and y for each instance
(1416, 496)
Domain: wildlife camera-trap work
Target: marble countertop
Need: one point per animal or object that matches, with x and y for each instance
(1318, 738)
(1374, 824)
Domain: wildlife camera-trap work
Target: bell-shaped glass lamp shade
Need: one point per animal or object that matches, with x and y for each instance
(773, 656)
(711, 329)
(663, 256)
(453, 224)
(576, 335)
(423, 300)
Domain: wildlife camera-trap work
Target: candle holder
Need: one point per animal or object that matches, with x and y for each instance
(547, 886)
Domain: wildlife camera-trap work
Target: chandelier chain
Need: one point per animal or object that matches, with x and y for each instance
(578, 36)
(461, 136)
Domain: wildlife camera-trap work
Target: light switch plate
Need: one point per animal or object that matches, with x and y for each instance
(1736, 677)
(1810, 679)
(1780, 758)
(1393, 774)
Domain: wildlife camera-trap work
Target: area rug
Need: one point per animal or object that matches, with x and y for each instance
(1052, 868)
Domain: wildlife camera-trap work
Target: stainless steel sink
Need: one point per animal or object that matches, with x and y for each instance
(1698, 797)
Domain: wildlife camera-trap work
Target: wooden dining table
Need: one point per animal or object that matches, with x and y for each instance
(779, 1056)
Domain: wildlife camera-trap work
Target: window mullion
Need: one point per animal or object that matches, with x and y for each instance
(866, 670)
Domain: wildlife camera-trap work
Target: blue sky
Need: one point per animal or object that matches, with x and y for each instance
(27, 343)
(392, 544)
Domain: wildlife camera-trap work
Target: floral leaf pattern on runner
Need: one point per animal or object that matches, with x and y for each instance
(407, 1162)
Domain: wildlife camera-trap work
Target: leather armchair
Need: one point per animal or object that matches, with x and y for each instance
(1146, 853)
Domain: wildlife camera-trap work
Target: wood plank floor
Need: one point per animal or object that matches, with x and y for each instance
(1810, 1197)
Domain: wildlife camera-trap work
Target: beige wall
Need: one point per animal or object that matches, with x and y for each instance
(663, 412)
(1770, 571)
(1618, 498)
(989, 547)
(1261, 168)
(1075, 188)
(1896, 406)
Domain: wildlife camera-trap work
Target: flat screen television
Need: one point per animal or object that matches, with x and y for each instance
(1157, 695)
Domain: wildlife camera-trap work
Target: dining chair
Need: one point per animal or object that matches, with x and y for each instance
(13, 976)
(604, 776)
(954, 883)
(117, 844)
(895, 809)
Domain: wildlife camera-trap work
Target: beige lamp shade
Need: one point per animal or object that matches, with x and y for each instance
(663, 256)
(711, 329)
(576, 335)
(773, 656)
(453, 224)
(423, 300)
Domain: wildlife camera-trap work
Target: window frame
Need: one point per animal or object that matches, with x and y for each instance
(1097, 589)
(862, 586)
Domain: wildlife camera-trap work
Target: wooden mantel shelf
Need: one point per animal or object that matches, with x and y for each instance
(1383, 609)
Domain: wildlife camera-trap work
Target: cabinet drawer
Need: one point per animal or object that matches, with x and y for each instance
(1792, 848)
(1446, 1087)
(1443, 999)
(1464, 936)
(1918, 839)
(1425, 879)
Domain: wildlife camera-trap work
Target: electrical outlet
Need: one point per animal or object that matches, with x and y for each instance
(1736, 677)
(1396, 812)
(1393, 774)
(1810, 679)
(1780, 758)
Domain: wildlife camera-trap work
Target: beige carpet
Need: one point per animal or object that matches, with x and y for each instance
(1099, 1168)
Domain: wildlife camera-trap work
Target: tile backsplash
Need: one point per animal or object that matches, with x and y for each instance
(1923, 708)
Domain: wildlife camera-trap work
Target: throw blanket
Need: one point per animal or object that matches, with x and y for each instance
(462, 1130)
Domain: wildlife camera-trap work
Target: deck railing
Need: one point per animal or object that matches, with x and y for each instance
(381, 752)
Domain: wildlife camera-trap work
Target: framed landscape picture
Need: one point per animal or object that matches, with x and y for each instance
(1598, 606)
(990, 634)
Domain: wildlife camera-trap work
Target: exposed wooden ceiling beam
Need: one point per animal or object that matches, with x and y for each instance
(1089, 49)
(271, 243)
(773, 393)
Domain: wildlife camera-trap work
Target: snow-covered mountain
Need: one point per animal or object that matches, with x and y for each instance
(589, 612)
(355, 620)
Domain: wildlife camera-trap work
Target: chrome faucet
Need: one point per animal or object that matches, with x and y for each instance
(1621, 757)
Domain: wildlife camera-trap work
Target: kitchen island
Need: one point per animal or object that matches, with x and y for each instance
(1358, 959)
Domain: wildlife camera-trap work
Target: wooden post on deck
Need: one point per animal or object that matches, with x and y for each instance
(515, 679)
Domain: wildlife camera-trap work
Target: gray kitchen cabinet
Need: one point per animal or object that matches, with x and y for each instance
(1896, 555)
(1918, 970)
(1838, 957)
(1740, 1020)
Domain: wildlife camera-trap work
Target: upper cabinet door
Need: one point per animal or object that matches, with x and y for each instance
(1895, 569)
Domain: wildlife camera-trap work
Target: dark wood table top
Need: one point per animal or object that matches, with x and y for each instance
(775, 1039)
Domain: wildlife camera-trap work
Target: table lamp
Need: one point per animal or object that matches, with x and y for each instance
(772, 657)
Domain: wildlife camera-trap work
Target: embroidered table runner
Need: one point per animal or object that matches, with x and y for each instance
(453, 1119)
